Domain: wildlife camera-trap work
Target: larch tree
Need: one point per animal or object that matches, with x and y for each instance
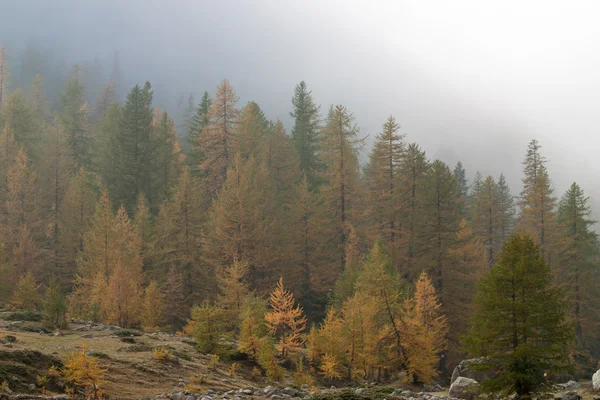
(74, 118)
(144, 227)
(179, 231)
(105, 99)
(37, 99)
(79, 204)
(537, 202)
(285, 320)
(251, 128)
(424, 331)
(440, 223)
(241, 223)
(487, 218)
(382, 176)
(176, 310)
(340, 146)
(413, 169)
(306, 133)
(17, 115)
(8, 152)
(153, 307)
(22, 201)
(216, 142)
(56, 166)
(578, 250)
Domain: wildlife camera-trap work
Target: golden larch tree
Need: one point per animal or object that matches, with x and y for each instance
(285, 320)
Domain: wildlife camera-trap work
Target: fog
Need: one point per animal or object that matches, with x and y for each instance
(468, 80)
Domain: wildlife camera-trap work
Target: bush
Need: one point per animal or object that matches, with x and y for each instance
(127, 332)
(22, 315)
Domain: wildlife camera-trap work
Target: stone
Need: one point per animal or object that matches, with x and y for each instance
(290, 391)
(570, 396)
(177, 396)
(190, 398)
(128, 340)
(432, 388)
(10, 338)
(246, 391)
(596, 380)
(569, 386)
(360, 391)
(464, 388)
(31, 387)
(87, 336)
(58, 333)
(465, 369)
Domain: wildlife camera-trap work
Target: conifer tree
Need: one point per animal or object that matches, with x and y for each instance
(285, 321)
(507, 209)
(37, 99)
(188, 114)
(216, 143)
(233, 290)
(306, 133)
(578, 247)
(461, 180)
(74, 118)
(252, 326)
(207, 326)
(153, 307)
(179, 226)
(241, 223)
(8, 152)
(79, 206)
(200, 121)
(56, 165)
(341, 188)
(439, 224)
(175, 308)
(487, 218)
(131, 149)
(144, 228)
(382, 181)
(54, 305)
(17, 115)
(537, 203)
(166, 158)
(4, 74)
(26, 293)
(519, 324)
(251, 129)
(413, 168)
(106, 98)
(426, 329)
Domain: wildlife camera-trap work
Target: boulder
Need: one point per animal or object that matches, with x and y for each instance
(466, 369)
(596, 380)
(569, 386)
(464, 388)
(570, 396)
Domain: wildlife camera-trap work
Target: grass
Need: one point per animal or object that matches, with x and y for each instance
(132, 372)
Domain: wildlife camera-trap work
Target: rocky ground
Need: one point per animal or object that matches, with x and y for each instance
(28, 350)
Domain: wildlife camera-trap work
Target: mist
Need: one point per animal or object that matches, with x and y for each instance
(467, 80)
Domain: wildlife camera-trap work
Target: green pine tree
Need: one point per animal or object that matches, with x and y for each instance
(200, 120)
(306, 133)
(519, 324)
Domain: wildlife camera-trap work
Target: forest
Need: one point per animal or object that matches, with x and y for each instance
(216, 222)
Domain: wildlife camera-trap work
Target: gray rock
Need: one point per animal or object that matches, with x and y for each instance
(305, 387)
(246, 391)
(570, 396)
(360, 391)
(206, 398)
(466, 370)
(464, 388)
(31, 387)
(569, 386)
(290, 391)
(432, 388)
(596, 380)
(177, 396)
(190, 398)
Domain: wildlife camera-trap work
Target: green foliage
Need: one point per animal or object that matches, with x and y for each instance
(127, 333)
(207, 327)
(519, 324)
(55, 306)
